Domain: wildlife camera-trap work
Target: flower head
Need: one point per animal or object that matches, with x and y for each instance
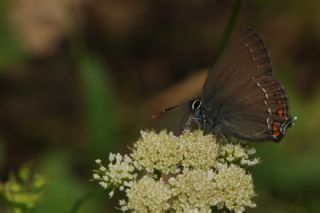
(160, 152)
(187, 173)
(119, 171)
(236, 154)
(22, 192)
(193, 190)
(199, 151)
(148, 195)
(234, 188)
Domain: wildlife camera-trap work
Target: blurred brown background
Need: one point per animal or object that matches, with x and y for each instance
(80, 78)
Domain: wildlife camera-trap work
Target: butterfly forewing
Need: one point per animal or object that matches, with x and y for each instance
(241, 97)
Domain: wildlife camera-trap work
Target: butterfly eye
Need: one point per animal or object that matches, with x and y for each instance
(195, 104)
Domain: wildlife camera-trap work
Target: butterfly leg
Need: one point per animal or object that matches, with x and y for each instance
(188, 125)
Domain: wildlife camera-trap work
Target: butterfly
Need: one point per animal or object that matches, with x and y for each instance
(241, 98)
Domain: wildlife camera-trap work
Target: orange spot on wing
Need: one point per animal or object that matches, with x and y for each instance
(276, 134)
(276, 129)
(280, 113)
(275, 126)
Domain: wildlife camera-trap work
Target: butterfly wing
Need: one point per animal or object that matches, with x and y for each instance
(241, 97)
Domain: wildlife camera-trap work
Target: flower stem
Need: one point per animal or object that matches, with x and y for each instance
(230, 26)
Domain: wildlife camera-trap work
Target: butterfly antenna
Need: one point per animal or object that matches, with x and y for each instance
(156, 115)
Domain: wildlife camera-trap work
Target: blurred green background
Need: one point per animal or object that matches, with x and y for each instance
(79, 79)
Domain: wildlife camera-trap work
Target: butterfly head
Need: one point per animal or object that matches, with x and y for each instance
(195, 105)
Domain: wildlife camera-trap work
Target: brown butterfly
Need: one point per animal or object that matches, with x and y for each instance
(241, 97)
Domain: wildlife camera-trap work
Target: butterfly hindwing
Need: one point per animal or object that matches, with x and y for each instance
(241, 97)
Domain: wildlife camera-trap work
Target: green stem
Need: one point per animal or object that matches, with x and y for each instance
(230, 26)
(82, 200)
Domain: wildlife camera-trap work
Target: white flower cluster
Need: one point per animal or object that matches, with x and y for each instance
(235, 153)
(160, 152)
(234, 188)
(119, 173)
(199, 151)
(188, 173)
(193, 190)
(148, 195)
